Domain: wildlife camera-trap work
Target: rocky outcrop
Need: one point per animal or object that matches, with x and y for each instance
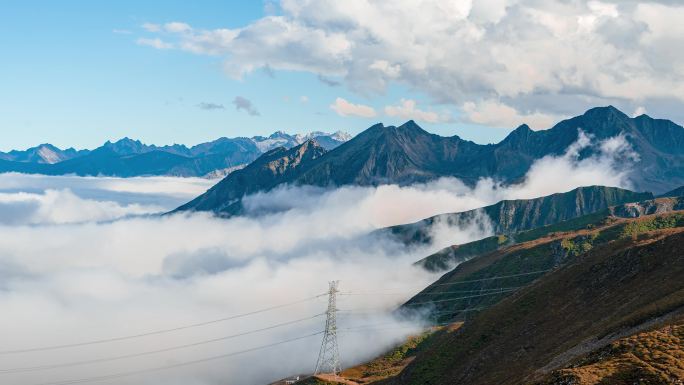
(225, 198)
(653, 206)
(508, 217)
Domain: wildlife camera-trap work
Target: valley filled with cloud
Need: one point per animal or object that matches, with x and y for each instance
(87, 259)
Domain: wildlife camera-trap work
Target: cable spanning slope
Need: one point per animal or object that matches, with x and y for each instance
(156, 332)
(177, 365)
(330, 324)
(150, 352)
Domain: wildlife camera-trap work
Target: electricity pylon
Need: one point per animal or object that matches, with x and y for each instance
(329, 355)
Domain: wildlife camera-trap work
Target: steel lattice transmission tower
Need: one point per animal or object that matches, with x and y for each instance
(329, 355)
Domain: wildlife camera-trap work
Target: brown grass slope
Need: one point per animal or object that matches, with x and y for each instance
(604, 294)
(652, 357)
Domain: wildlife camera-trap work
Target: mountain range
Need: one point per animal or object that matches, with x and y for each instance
(408, 154)
(595, 300)
(555, 306)
(128, 157)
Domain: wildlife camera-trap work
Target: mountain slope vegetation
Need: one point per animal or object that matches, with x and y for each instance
(606, 293)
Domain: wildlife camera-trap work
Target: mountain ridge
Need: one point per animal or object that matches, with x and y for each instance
(514, 215)
(227, 194)
(128, 157)
(408, 154)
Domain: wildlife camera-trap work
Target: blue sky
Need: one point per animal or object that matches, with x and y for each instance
(78, 73)
(73, 75)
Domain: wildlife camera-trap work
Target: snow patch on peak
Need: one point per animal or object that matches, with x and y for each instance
(48, 155)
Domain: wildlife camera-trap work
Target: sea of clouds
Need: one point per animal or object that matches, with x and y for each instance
(88, 258)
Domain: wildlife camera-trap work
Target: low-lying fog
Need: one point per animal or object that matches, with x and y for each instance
(82, 259)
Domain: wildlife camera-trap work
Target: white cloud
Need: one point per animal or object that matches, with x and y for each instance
(155, 43)
(63, 206)
(153, 193)
(557, 57)
(151, 27)
(407, 110)
(65, 283)
(304, 99)
(386, 68)
(345, 108)
(641, 110)
(496, 114)
(177, 27)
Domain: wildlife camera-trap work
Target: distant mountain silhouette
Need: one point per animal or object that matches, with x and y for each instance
(44, 154)
(127, 157)
(408, 154)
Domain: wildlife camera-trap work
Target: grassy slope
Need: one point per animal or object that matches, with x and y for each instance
(553, 249)
(651, 357)
(447, 258)
(612, 288)
(461, 253)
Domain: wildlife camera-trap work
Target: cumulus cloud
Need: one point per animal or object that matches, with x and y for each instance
(496, 114)
(407, 110)
(177, 27)
(344, 108)
(65, 283)
(245, 104)
(555, 57)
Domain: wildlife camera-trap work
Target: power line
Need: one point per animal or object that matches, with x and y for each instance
(356, 330)
(491, 278)
(364, 311)
(468, 281)
(459, 298)
(435, 293)
(180, 364)
(156, 332)
(172, 348)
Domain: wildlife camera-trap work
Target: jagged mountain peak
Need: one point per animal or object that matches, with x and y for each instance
(605, 111)
(519, 136)
(128, 146)
(261, 175)
(523, 128)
